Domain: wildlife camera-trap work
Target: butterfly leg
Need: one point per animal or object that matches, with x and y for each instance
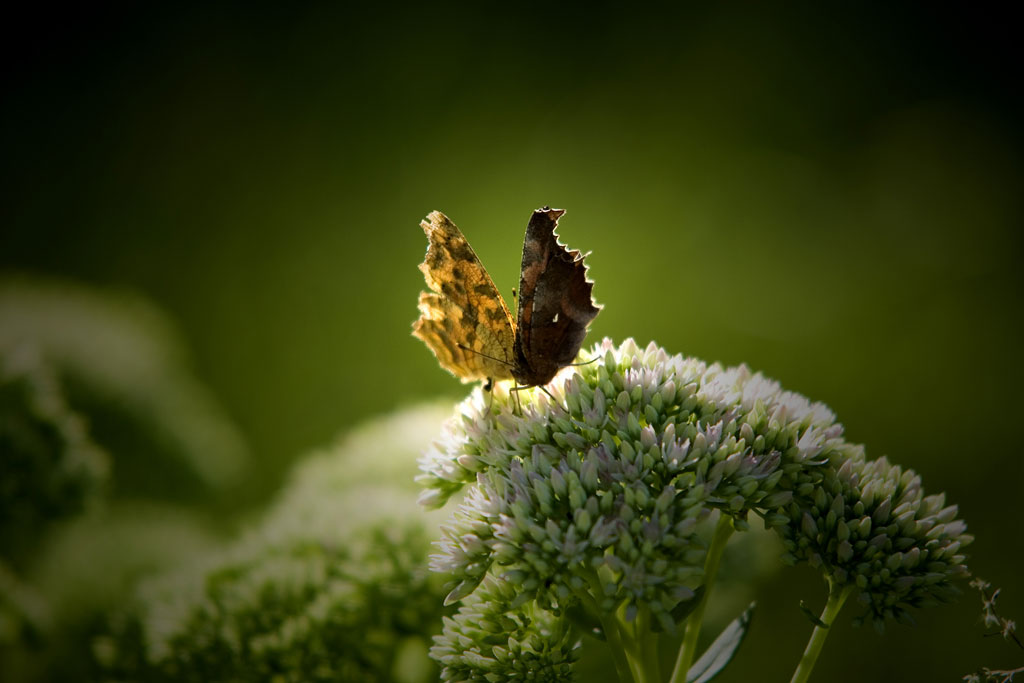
(515, 392)
(489, 388)
(553, 399)
(520, 387)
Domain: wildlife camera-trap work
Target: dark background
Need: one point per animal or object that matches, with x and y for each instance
(830, 195)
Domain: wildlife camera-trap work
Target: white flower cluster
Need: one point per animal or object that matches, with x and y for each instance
(593, 495)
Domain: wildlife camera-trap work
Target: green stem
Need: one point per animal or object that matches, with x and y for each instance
(632, 643)
(648, 641)
(688, 650)
(610, 626)
(836, 597)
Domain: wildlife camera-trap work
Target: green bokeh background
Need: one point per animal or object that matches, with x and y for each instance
(830, 195)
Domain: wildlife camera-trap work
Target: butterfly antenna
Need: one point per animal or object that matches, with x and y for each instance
(496, 360)
(592, 360)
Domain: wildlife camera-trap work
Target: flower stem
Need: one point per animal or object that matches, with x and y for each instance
(610, 626)
(648, 640)
(836, 597)
(688, 650)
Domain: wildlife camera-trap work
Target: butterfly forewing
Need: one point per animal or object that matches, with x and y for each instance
(555, 302)
(463, 319)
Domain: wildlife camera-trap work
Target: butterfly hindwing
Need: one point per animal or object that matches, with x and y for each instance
(555, 302)
(463, 319)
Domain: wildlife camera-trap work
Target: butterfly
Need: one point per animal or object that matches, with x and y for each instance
(467, 325)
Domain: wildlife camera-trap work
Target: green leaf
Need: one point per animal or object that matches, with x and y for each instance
(812, 616)
(683, 609)
(464, 588)
(722, 650)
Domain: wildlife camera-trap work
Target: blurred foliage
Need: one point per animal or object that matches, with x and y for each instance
(93, 389)
(123, 364)
(51, 467)
(828, 194)
(331, 585)
(50, 470)
(339, 559)
(87, 569)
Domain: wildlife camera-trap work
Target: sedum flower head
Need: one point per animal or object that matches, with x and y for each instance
(869, 524)
(597, 494)
(489, 638)
(612, 477)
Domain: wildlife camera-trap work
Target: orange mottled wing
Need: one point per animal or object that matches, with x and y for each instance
(463, 318)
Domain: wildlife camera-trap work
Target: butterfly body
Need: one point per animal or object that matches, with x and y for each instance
(466, 323)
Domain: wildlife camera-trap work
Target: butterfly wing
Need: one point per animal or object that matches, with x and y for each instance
(555, 302)
(463, 319)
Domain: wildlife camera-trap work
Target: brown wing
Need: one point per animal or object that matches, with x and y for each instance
(463, 310)
(555, 302)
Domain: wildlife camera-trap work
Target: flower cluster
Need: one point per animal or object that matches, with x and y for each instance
(610, 486)
(868, 524)
(491, 637)
(592, 496)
